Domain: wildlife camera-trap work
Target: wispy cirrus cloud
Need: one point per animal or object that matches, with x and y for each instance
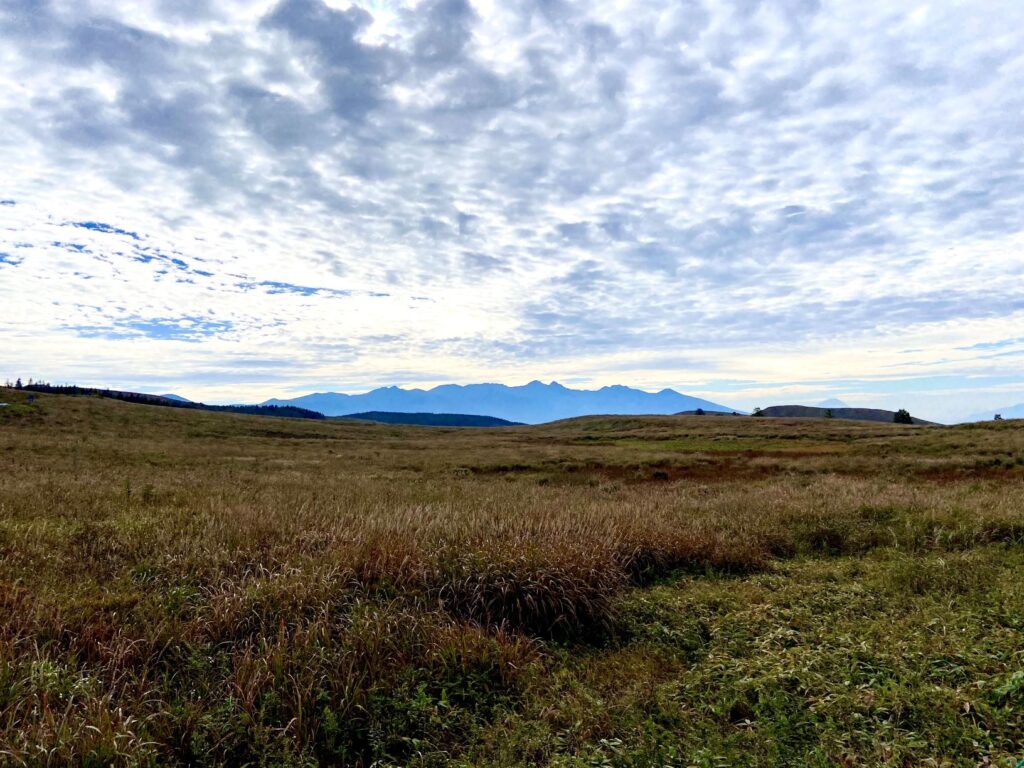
(581, 190)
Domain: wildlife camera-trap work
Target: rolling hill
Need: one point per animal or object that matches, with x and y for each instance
(431, 419)
(179, 398)
(1009, 412)
(702, 412)
(532, 403)
(174, 401)
(855, 414)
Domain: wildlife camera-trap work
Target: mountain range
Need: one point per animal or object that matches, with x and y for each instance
(532, 403)
(175, 398)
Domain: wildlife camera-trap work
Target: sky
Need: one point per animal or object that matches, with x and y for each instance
(756, 201)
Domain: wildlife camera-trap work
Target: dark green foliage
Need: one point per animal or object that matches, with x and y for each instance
(902, 416)
(281, 411)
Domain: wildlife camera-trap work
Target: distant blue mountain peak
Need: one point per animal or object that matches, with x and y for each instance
(531, 403)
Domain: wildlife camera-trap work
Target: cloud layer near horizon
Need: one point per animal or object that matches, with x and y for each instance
(744, 200)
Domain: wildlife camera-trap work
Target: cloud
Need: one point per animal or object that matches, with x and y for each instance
(579, 189)
(351, 75)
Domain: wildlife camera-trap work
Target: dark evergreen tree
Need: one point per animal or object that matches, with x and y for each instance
(902, 416)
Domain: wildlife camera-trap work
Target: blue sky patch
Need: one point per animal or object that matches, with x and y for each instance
(187, 328)
(96, 226)
(77, 247)
(148, 254)
(276, 286)
(989, 345)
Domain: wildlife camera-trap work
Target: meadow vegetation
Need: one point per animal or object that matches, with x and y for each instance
(192, 588)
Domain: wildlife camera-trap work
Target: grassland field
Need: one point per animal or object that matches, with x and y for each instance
(183, 588)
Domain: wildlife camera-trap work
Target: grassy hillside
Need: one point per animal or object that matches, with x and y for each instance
(182, 587)
(172, 401)
(431, 419)
(814, 412)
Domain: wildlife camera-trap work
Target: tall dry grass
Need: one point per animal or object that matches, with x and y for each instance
(193, 588)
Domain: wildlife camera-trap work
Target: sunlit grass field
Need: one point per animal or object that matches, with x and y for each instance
(183, 588)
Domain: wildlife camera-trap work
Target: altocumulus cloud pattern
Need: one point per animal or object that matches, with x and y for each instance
(705, 195)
